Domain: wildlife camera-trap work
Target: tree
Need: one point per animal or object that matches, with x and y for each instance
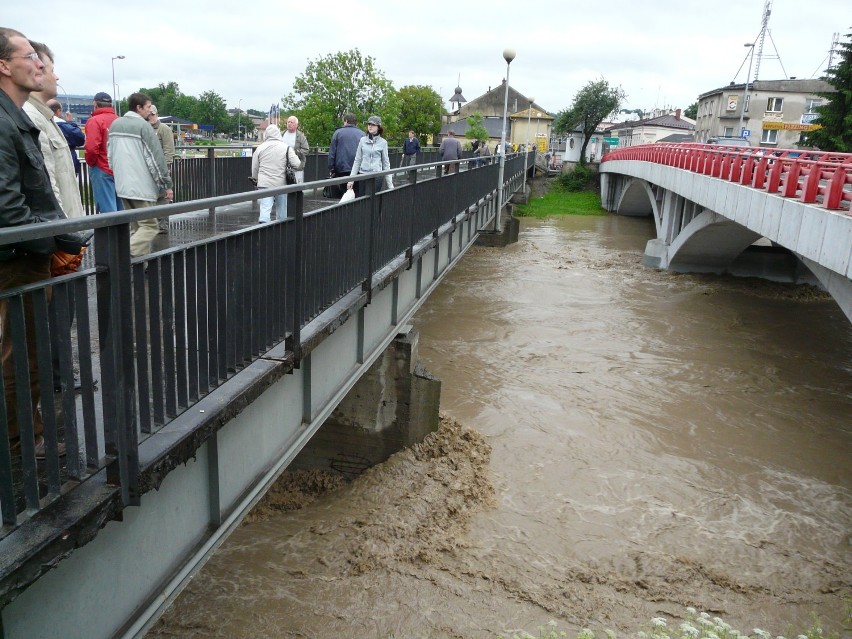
(592, 105)
(691, 111)
(835, 117)
(165, 96)
(475, 129)
(211, 109)
(421, 110)
(336, 84)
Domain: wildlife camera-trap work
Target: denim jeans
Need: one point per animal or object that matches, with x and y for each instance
(265, 204)
(103, 188)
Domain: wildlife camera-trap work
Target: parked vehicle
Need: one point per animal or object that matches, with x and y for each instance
(729, 141)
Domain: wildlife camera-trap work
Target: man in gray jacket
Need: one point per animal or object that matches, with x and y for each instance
(139, 165)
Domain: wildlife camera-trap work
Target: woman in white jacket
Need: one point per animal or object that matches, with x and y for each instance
(371, 157)
(268, 169)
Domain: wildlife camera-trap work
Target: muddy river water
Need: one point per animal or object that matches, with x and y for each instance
(619, 443)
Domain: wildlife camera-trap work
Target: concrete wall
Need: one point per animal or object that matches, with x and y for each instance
(394, 405)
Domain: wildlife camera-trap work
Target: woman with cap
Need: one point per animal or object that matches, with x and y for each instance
(371, 157)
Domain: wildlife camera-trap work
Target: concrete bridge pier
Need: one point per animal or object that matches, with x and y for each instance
(394, 405)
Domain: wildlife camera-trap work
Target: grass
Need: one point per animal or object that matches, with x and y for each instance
(560, 202)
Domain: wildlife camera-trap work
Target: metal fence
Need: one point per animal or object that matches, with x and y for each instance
(162, 331)
(204, 172)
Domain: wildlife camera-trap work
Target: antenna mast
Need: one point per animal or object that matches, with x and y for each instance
(835, 45)
(764, 27)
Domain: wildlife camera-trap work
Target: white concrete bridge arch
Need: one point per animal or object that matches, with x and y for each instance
(703, 223)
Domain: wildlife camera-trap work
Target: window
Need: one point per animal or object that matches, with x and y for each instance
(769, 136)
(773, 105)
(811, 104)
(748, 99)
(729, 131)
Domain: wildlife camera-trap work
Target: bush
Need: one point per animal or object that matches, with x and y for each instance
(580, 179)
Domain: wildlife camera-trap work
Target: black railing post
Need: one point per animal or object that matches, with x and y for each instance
(367, 286)
(296, 209)
(115, 329)
(211, 172)
(412, 215)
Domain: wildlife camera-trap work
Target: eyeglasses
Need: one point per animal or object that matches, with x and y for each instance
(32, 56)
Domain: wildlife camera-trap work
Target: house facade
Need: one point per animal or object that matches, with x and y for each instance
(774, 113)
(650, 130)
(490, 106)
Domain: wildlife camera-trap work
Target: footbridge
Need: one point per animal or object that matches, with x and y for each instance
(218, 360)
(711, 203)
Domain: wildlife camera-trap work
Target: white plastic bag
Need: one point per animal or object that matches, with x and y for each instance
(348, 196)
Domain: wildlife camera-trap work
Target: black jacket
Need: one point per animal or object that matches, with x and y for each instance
(26, 196)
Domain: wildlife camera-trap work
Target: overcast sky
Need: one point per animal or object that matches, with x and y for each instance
(663, 53)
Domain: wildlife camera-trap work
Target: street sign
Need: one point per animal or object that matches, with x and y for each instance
(611, 141)
(745, 133)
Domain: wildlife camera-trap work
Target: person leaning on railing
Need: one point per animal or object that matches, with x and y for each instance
(26, 197)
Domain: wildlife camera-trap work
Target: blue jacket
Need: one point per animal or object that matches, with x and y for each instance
(341, 151)
(411, 147)
(75, 138)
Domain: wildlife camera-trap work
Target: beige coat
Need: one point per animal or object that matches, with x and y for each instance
(167, 141)
(269, 160)
(57, 158)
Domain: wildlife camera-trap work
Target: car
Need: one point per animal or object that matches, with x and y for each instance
(722, 141)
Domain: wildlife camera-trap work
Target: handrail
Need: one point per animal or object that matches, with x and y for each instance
(163, 327)
(821, 178)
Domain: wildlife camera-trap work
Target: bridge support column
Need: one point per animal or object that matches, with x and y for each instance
(393, 406)
(505, 236)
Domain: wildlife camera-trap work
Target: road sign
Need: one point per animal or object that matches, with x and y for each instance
(745, 133)
(611, 141)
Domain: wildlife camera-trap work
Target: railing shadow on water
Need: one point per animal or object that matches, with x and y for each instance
(149, 337)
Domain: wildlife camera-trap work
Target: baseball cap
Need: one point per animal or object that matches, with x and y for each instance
(103, 97)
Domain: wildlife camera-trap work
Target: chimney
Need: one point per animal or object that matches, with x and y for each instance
(677, 114)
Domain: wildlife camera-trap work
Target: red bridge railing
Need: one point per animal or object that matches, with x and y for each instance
(815, 177)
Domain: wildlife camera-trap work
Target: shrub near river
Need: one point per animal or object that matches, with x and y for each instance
(575, 193)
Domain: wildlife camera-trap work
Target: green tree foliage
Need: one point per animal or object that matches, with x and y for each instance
(335, 84)
(835, 117)
(208, 108)
(165, 96)
(211, 109)
(691, 111)
(475, 129)
(420, 110)
(592, 105)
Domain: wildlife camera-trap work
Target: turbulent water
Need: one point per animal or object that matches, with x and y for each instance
(618, 443)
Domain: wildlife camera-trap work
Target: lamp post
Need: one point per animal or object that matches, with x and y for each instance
(114, 58)
(508, 56)
(527, 147)
(745, 87)
(239, 102)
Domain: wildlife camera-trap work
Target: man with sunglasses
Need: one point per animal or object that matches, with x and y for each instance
(26, 197)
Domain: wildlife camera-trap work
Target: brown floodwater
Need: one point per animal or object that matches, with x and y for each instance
(619, 443)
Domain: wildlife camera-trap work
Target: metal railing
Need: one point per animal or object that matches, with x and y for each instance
(209, 171)
(164, 330)
(814, 177)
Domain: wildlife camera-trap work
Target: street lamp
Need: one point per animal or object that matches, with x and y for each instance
(745, 87)
(239, 102)
(508, 56)
(527, 147)
(114, 58)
